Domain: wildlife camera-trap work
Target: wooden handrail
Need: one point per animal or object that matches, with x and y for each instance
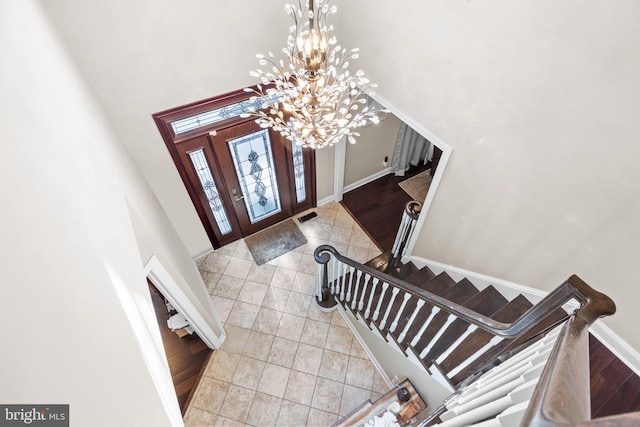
(562, 397)
(572, 288)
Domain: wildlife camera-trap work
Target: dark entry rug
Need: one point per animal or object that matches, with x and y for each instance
(274, 241)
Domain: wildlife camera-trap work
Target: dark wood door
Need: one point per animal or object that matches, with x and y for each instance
(236, 196)
(254, 164)
(206, 185)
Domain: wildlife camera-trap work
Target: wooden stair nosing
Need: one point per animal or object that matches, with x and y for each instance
(508, 345)
(459, 293)
(420, 277)
(474, 342)
(486, 302)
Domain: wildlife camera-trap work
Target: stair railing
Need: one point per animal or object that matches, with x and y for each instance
(562, 396)
(371, 294)
(405, 230)
(333, 275)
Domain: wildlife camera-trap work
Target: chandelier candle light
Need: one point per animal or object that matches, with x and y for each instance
(313, 100)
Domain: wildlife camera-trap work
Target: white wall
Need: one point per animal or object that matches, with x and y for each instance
(79, 326)
(365, 157)
(539, 100)
(146, 56)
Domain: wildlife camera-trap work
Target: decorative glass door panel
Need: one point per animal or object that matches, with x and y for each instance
(254, 163)
(210, 190)
(255, 168)
(207, 189)
(241, 178)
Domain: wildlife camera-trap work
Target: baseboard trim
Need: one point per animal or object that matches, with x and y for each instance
(326, 200)
(366, 180)
(202, 253)
(617, 345)
(510, 290)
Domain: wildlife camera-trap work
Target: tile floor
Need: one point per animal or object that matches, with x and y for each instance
(284, 362)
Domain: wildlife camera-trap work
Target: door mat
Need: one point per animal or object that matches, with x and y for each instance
(274, 241)
(417, 186)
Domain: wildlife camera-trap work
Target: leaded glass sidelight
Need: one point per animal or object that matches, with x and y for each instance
(254, 166)
(298, 172)
(211, 191)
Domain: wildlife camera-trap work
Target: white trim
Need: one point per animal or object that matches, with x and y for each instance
(435, 182)
(426, 205)
(366, 180)
(617, 345)
(326, 200)
(202, 253)
(366, 349)
(339, 160)
(363, 181)
(510, 290)
(170, 289)
(144, 324)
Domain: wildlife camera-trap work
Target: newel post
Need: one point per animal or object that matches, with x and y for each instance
(324, 298)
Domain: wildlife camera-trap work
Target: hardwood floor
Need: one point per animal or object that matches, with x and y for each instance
(187, 356)
(377, 206)
(615, 389)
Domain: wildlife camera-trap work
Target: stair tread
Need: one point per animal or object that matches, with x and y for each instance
(379, 262)
(458, 293)
(438, 284)
(507, 314)
(420, 277)
(486, 302)
(506, 345)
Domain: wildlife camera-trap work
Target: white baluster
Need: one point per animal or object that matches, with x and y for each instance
(486, 397)
(376, 313)
(339, 285)
(319, 282)
(403, 335)
(494, 341)
(355, 294)
(351, 270)
(367, 277)
(374, 285)
(456, 343)
(435, 339)
(416, 339)
(394, 293)
(333, 277)
(394, 325)
(342, 280)
(401, 230)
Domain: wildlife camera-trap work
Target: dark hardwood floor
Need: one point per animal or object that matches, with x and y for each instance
(187, 356)
(377, 207)
(615, 389)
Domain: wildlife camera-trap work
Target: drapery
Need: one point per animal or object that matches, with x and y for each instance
(411, 148)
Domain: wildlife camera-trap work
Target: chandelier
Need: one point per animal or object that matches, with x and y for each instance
(312, 98)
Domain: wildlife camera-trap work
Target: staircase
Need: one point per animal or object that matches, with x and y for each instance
(446, 343)
(487, 350)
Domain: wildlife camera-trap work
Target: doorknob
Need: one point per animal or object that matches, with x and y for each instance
(234, 192)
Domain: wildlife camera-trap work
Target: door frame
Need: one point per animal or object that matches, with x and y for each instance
(163, 121)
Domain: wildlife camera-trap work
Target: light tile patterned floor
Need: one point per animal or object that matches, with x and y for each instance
(284, 362)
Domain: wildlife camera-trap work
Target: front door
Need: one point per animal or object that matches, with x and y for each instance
(241, 178)
(254, 166)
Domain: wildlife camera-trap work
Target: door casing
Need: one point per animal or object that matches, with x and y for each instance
(205, 137)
